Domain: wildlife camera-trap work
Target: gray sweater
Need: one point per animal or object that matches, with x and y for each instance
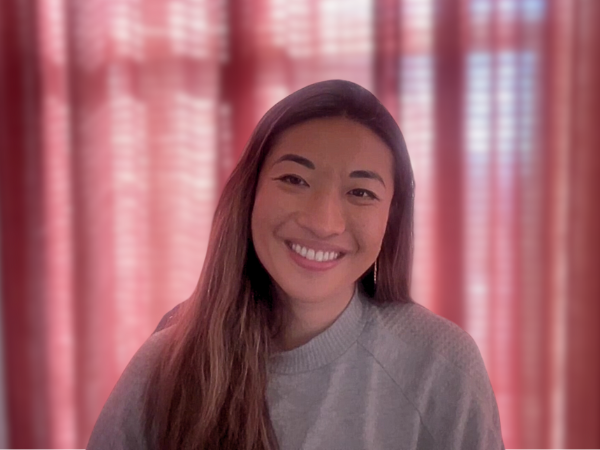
(394, 377)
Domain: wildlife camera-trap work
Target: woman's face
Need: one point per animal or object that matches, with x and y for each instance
(322, 206)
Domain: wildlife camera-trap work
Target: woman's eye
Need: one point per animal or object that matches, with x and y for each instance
(292, 179)
(363, 194)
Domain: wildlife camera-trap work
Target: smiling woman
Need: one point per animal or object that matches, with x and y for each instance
(301, 332)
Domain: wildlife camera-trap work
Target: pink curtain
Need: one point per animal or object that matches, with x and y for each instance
(120, 121)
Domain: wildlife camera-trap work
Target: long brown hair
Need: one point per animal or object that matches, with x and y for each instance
(208, 390)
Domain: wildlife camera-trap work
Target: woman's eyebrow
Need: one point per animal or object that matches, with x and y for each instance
(309, 164)
(297, 159)
(367, 174)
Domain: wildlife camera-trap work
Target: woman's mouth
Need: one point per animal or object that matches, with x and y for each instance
(314, 255)
(313, 259)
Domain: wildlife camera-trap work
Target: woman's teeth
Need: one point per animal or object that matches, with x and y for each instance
(313, 255)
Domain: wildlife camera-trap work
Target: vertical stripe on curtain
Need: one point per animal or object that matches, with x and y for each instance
(416, 119)
(3, 369)
(24, 311)
(57, 202)
(583, 313)
(448, 158)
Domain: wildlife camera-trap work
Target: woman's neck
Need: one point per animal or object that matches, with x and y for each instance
(305, 319)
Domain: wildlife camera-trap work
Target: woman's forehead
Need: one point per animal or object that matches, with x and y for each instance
(337, 141)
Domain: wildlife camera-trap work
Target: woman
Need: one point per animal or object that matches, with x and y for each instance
(301, 332)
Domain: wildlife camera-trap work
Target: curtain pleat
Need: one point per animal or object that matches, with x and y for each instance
(23, 253)
(583, 312)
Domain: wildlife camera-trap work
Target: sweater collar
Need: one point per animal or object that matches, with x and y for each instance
(328, 345)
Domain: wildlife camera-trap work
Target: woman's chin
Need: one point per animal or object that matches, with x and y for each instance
(313, 293)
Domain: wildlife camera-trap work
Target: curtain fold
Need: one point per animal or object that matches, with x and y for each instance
(24, 309)
(583, 312)
(448, 157)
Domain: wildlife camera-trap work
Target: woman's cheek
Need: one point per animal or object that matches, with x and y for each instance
(374, 227)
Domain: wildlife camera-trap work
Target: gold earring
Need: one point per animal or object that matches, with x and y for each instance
(375, 274)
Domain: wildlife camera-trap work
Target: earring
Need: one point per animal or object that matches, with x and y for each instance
(375, 274)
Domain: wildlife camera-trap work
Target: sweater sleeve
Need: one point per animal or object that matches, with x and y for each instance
(119, 425)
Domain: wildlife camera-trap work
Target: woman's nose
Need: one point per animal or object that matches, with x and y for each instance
(323, 215)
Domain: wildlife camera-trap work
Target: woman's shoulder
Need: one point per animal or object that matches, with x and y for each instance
(438, 367)
(148, 353)
(120, 423)
(137, 372)
(409, 331)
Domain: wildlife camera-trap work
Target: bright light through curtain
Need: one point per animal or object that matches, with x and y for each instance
(120, 121)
